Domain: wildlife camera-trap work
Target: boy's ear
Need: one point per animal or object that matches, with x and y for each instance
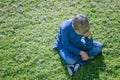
(72, 25)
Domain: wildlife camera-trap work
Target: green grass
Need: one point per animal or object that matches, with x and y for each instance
(29, 27)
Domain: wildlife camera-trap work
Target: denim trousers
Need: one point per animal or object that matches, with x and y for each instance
(71, 58)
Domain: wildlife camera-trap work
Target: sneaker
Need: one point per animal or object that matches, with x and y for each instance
(54, 45)
(76, 66)
(70, 69)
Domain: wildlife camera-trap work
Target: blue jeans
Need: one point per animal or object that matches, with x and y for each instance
(71, 58)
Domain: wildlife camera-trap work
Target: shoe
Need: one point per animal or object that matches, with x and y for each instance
(54, 45)
(72, 68)
(76, 66)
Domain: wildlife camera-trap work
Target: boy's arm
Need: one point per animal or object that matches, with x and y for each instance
(66, 42)
(88, 40)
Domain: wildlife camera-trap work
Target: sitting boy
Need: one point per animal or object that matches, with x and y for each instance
(75, 43)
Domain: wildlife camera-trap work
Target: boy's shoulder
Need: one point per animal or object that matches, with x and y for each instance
(66, 24)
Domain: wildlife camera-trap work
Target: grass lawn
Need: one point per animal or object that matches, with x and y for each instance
(29, 27)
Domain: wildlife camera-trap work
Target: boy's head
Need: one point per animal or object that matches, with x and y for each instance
(81, 24)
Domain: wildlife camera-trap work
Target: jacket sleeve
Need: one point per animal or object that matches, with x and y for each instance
(66, 42)
(88, 43)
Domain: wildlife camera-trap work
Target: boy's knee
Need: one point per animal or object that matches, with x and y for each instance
(98, 44)
(96, 50)
(67, 58)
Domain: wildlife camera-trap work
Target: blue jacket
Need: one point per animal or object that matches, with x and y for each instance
(70, 40)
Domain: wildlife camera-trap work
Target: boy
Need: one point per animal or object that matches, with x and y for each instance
(75, 43)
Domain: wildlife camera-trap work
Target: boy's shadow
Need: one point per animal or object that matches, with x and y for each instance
(89, 71)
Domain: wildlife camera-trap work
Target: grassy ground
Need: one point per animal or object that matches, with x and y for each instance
(29, 27)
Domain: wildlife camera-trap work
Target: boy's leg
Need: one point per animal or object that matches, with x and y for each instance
(68, 57)
(96, 50)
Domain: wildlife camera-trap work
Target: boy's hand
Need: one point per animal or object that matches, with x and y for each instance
(84, 55)
(88, 34)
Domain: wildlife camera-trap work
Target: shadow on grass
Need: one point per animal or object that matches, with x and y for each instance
(89, 71)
